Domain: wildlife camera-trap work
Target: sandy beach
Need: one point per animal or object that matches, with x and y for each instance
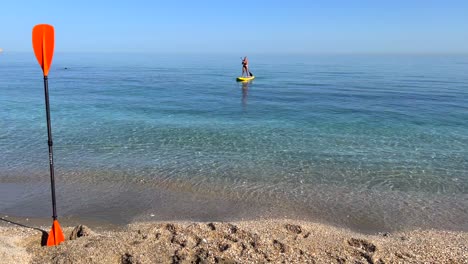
(275, 241)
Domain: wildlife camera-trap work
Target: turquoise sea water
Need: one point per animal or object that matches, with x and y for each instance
(368, 142)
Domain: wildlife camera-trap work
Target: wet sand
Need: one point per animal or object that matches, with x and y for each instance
(261, 241)
(118, 199)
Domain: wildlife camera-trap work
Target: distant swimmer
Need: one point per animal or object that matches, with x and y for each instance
(245, 67)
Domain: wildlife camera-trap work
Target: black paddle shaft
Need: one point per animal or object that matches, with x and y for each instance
(51, 152)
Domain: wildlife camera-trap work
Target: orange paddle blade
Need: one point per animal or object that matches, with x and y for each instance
(43, 45)
(55, 235)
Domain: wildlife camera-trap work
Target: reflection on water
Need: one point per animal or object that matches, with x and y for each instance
(245, 91)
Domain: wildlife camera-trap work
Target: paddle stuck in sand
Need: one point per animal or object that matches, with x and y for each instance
(43, 45)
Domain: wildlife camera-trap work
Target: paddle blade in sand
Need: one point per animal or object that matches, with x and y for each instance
(55, 235)
(43, 45)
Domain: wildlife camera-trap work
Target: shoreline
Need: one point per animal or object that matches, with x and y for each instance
(232, 242)
(139, 199)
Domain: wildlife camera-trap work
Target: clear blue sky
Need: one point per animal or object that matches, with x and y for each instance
(246, 27)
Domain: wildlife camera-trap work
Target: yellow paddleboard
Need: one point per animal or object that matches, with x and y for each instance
(244, 79)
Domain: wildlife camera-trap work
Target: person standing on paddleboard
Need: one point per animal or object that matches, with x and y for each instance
(245, 67)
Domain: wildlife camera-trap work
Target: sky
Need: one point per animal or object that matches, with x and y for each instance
(246, 27)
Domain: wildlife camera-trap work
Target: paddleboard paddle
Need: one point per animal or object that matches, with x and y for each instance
(43, 45)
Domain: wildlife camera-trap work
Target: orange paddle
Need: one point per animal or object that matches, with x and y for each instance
(43, 45)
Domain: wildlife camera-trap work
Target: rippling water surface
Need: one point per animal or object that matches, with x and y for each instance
(368, 142)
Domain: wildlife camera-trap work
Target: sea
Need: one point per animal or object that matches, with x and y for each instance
(367, 142)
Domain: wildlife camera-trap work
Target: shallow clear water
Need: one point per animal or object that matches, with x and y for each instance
(369, 142)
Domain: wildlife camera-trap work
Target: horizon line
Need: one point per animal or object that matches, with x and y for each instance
(244, 53)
